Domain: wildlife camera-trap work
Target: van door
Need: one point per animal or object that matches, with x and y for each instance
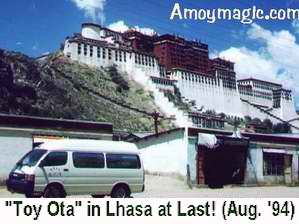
(125, 168)
(55, 168)
(88, 173)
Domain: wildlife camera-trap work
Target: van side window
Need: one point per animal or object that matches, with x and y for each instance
(88, 160)
(123, 161)
(56, 159)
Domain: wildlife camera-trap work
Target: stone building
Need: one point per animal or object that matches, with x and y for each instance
(215, 158)
(19, 134)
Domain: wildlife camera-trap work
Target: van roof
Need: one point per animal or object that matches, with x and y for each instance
(89, 145)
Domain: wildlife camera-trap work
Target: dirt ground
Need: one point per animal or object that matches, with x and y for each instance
(170, 187)
(161, 187)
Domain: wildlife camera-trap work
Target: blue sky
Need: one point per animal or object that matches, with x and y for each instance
(266, 49)
(35, 27)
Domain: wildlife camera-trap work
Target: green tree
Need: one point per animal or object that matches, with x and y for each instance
(256, 121)
(248, 119)
(222, 115)
(282, 128)
(267, 123)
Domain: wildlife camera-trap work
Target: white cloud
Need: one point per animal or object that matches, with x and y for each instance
(275, 60)
(118, 26)
(121, 26)
(145, 30)
(19, 43)
(250, 63)
(93, 9)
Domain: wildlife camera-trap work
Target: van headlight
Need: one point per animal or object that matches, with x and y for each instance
(29, 178)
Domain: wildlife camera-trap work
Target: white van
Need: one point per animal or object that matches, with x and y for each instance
(79, 167)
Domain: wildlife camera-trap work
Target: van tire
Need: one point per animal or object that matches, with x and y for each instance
(121, 191)
(54, 191)
(32, 196)
(215, 186)
(98, 196)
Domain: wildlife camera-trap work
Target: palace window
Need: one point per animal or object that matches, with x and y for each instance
(273, 164)
(116, 55)
(99, 52)
(90, 50)
(120, 56)
(145, 58)
(125, 56)
(109, 54)
(85, 49)
(104, 53)
(79, 48)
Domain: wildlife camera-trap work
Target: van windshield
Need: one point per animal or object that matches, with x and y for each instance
(31, 158)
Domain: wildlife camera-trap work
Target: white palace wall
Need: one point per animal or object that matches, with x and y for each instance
(209, 93)
(126, 64)
(205, 91)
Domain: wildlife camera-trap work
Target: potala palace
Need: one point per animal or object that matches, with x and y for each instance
(168, 63)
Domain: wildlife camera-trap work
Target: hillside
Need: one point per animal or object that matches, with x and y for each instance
(56, 87)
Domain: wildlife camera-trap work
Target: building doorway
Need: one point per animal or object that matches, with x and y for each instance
(225, 164)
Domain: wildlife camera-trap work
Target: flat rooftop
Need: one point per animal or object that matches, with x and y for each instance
(31, 122)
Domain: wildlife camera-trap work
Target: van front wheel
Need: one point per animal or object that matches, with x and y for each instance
(97, 196)
(120, 191)
(54, 191)
(32, 196)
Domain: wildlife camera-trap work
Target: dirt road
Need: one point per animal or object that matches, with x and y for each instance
(169, 187)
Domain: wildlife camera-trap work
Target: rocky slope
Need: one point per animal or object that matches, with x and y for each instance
(54, 86)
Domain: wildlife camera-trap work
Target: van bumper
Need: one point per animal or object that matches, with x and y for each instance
(20, 186)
